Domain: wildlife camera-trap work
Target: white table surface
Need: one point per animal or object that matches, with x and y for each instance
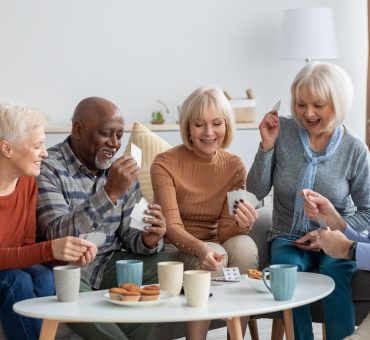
(228, 300)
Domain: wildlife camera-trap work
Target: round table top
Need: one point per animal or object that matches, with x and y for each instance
(228, 300)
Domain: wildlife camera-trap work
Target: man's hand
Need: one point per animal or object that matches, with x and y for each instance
(335, 243)
(317, 207)
(154, 233)
(122, 173)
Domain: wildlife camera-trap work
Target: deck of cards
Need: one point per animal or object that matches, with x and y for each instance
(138, 214)
(235, 196)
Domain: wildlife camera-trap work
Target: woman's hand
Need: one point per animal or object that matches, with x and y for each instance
(154, 233)
(245, 214)
(208, 258)
(269, 130)
(318, 207)
(73, 250)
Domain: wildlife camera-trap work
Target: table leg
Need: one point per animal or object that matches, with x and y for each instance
(48, 329)
(288, 324)
(234, 328)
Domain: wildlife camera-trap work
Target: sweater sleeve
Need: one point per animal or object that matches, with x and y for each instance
(227, 226)
(29, 253)
(360, 192)
(259, 181)
(165, 195)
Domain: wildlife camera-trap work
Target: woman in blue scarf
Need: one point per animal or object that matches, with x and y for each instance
(314, 150)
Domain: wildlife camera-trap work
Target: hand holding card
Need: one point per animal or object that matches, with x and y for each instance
(138, 214)
(235, 196)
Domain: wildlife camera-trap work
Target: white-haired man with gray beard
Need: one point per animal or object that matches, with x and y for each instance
(83, 190)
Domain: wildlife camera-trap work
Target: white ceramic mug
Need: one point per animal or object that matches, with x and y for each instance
(197, 284)
(170, 275)
(67, 282)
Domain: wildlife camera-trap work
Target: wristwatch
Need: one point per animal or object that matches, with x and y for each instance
(352, 251)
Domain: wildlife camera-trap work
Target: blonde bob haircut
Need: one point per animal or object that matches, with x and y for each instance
(325, 82)
(17, 120)
(198, 104)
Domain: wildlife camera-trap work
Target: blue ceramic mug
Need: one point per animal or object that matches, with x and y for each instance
(129, 271)
(283, 280)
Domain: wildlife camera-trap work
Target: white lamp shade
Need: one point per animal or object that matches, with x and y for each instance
(308, 33)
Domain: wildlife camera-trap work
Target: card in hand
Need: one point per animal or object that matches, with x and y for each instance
(137, 215)
(233, 196)
(277, 106)
(136, 152)
(95, 237)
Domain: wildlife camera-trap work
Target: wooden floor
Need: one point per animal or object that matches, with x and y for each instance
(264, 331)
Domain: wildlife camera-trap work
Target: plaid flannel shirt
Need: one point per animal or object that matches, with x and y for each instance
(73, 201)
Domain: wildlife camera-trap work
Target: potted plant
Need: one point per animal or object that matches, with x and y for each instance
(157, 117)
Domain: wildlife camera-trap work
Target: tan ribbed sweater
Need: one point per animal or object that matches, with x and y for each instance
(193, 194)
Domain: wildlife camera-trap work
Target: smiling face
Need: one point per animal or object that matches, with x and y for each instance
(97, 138)
(207, 133)
(28, 154)
(316, 115)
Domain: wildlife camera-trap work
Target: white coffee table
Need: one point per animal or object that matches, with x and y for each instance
(230, 301)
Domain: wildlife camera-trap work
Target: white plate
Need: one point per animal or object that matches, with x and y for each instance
(257, 284)
(163, 297)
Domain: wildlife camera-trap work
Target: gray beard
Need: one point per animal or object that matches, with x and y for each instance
(102, 165)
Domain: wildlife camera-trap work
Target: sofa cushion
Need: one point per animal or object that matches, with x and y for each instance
(151, 145)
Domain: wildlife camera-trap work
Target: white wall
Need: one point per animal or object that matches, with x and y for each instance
(54, 53)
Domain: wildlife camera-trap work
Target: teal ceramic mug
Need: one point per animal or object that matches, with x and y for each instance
(129, 271)
(283, 280)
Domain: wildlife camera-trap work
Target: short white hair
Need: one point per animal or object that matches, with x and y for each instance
(16, 120)
(327, 82)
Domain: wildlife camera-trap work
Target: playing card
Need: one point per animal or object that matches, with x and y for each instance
(137, 225)
(95, 237)
(231, 274)
(277, 106)
(233, 196)
(137, 215)
(136, 152)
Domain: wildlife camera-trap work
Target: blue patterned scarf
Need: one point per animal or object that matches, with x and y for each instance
(306, 179)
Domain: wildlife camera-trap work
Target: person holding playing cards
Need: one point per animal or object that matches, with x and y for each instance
(191, 183)
(86, 192)
(25, 271)
(314, 150)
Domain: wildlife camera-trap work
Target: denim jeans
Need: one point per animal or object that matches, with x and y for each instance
(338, 307)
(21, 284)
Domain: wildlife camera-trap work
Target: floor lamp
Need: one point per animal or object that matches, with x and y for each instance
(308, 33)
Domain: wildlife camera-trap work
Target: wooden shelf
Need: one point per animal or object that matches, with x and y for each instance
(153, 127)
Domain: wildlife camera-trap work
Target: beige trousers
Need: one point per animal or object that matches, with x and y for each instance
(240, 251)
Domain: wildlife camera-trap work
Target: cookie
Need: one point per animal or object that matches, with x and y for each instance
(132, 287)
(115, 294)
(149, 294)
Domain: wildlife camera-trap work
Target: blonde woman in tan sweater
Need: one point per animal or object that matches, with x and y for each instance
(191, 182)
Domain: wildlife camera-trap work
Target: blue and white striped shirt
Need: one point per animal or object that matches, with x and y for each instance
(73, 201)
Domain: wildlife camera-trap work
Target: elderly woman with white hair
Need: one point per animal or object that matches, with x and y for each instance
(314, 151)
(191, 182)
(22, 276)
